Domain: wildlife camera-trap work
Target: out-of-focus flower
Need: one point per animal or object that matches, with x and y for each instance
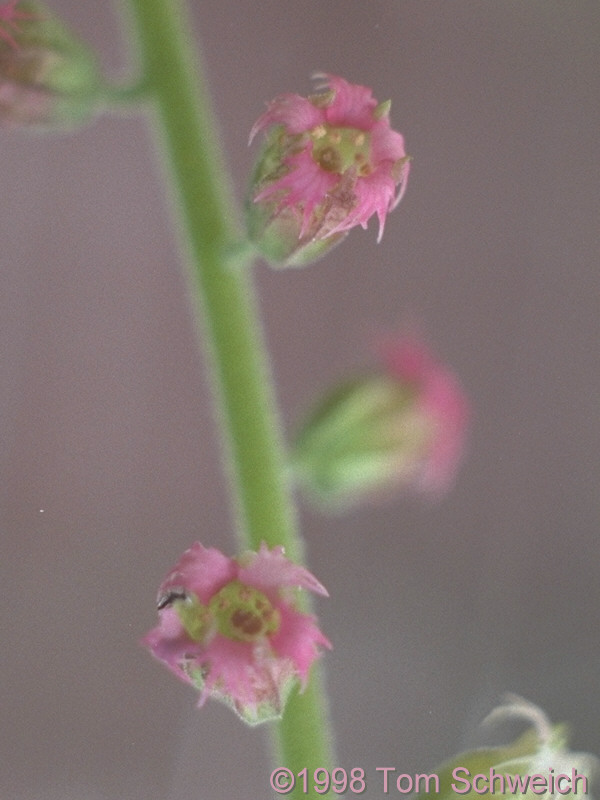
(233, 629)
(403, 427)
(330, 162)
(47, 76)
(9, 19)
(538, 763)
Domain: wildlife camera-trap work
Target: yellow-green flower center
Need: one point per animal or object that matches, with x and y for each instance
(195, 618)
(237, 611)
(243, 613)
(338, 149)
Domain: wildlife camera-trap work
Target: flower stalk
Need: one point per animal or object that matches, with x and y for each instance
(223, 303)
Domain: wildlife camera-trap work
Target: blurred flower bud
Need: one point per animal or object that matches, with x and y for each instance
(401, 428)
(231, 627)
(330, 162)
(47, 76)
(536, 764)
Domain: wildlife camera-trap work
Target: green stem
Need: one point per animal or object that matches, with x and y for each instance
(224, 305)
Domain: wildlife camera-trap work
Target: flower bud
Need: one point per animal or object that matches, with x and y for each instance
(538, 763)
(231, 627)
(400, 428)
(47, 76)
(330, 162)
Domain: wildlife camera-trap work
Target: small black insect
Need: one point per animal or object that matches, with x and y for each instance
(169, 598)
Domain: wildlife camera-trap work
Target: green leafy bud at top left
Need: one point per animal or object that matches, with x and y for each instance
(48, 77)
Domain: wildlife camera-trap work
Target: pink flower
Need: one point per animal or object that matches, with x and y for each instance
(331, 161)
(232, 628)
(402, 427)
(9, 15)
(47, 76)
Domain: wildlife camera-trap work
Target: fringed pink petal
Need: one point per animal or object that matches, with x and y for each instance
(269, 569)
(201, 571)
(297, 114)
(374, 195)
(352, 105)
(299, 640)
(386, 144)
(169, 643)
(304, 187)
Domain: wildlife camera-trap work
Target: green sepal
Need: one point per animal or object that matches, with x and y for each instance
(361, 437)
(269, 709)
(539, 749)
(512, 759)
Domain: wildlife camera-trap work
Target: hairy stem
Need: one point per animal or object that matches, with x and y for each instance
(224, 305)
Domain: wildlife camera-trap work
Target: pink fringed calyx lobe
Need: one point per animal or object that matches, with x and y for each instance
(232, 628)
(330, 162)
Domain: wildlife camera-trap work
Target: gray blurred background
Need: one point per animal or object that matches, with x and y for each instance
(109, 462)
